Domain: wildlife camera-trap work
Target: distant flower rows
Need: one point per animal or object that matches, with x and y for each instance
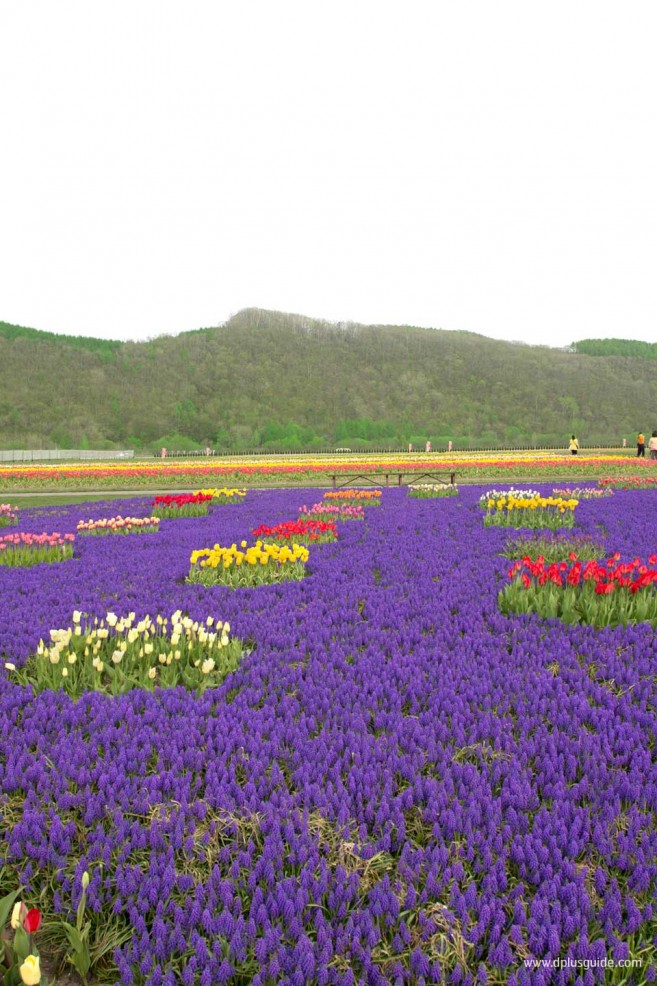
(133, 474)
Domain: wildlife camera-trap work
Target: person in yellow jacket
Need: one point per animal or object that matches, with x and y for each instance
(640, 446)
(573, 445)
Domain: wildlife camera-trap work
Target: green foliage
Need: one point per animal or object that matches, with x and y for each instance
(554, 548)
(530, 510)
(549, 519)
(182, 443)
(107, 348)
(62, 439)
(580, 604)
(430, 491)
(513, 435)
(272, 433)
(247, 575)
(348, 430)
(632, 348)
(289, 436)
(78, 936)
(26, 556)
(222, 439)
(172, 511)
(6, 905)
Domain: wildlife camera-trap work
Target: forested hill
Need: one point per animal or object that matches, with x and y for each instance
(266, 379)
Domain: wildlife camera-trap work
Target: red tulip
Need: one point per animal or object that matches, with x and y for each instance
(32, 921)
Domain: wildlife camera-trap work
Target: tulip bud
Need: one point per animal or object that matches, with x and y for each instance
(17, 914)
(32, 921)
(85, 880)
(30, 971)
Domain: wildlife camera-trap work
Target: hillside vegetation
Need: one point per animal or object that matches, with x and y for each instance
(104, 347)
(270, 379)
(617, 347)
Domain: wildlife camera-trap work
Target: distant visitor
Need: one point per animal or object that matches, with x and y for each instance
(573, 445)
(652, 445)
(640, 446)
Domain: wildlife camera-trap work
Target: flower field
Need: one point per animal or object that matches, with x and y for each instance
(118, 525)
(308, 470)
(182, 505)
(302, 531)
(428, 491)
(7, 515)
(529, 510)
(327, 512)
(249, 565)
(24, 548)
(393, 782)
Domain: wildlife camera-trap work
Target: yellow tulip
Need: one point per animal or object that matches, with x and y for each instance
(30, 970)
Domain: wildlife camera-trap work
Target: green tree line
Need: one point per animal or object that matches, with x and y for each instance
(631, 348)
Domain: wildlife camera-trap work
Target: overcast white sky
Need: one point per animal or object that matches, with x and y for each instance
(464, 165)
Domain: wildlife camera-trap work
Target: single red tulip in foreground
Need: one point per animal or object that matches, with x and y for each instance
(32, 921)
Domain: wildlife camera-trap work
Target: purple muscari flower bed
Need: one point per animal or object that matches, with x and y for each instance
(397, 785)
